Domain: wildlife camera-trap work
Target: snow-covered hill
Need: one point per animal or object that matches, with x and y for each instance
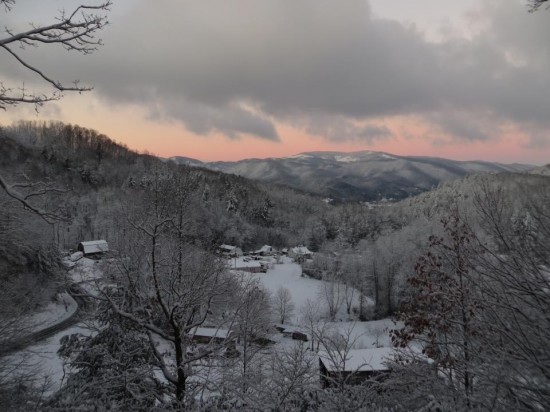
(365, 175)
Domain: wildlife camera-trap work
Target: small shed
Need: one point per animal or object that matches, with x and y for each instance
(93, 247)
(359, 366)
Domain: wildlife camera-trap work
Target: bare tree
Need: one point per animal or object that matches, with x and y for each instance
(293, 379)
(74, 31)
(283, 305)
(515, 282)
(331, 291)
(252, 323)
(162, 291)
(534, 5)
(23, 192)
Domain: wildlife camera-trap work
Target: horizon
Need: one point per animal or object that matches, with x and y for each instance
(438, 79)
(353, 152)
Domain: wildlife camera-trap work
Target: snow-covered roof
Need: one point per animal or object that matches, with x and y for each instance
(301, 250)
(228, 247)
(210, 332)
(359, 360)
(94, 246)
(265, 248)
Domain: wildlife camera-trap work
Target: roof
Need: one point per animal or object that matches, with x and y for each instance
(301, 250)
(210, 332)
(94, 246)
(264, 249)
(227, 247)
(360, 360)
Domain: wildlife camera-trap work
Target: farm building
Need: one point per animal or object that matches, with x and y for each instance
(209, 335)
(229, 250)
(300, 253)
(360, 365)
(93, 247)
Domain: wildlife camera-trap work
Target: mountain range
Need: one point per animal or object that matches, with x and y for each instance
(364, 175)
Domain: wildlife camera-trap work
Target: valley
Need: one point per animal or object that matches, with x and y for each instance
(212, 290)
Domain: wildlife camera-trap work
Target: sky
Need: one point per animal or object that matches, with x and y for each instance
(233, 79)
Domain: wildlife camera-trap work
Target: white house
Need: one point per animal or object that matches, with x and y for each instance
(93, 247)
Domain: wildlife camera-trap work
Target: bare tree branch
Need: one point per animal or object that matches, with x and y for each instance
(534, 5)
(73, 31)
(10, 190)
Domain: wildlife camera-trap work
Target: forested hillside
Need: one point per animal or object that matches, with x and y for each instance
(366, 175)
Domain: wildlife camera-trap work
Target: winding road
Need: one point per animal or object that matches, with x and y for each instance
(77, 294)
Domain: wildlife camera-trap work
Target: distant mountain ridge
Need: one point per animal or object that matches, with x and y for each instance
(364, 175)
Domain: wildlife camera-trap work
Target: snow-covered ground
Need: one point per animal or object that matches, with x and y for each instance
(42, 360)
(85, 270)
(62, 308)
(305, 290)
(289, 275)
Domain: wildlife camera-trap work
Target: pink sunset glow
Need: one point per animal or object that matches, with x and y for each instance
(217, 84)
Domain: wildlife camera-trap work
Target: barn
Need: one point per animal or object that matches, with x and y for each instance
(360, 365)
(93, 247)
(209, 335)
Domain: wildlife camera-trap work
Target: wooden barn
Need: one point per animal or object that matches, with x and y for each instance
(93, 247)
(360, 366)
(209, 335)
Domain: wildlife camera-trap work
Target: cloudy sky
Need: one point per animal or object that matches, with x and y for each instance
(230, 79)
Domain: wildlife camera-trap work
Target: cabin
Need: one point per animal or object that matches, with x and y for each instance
(361, 365)
(209, 335)
(232, 251)
(93, 247)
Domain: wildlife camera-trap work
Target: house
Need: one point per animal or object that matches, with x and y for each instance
(359, 366)
(300, 253)
(209, 335)
(229, 250)
(93, 247)
(265, 250)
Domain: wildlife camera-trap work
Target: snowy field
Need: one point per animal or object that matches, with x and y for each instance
(306, 291)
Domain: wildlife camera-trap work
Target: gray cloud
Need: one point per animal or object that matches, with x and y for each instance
(372, 132)
(230, 120)
(465, 125)
(238, 66)
(338, 128)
